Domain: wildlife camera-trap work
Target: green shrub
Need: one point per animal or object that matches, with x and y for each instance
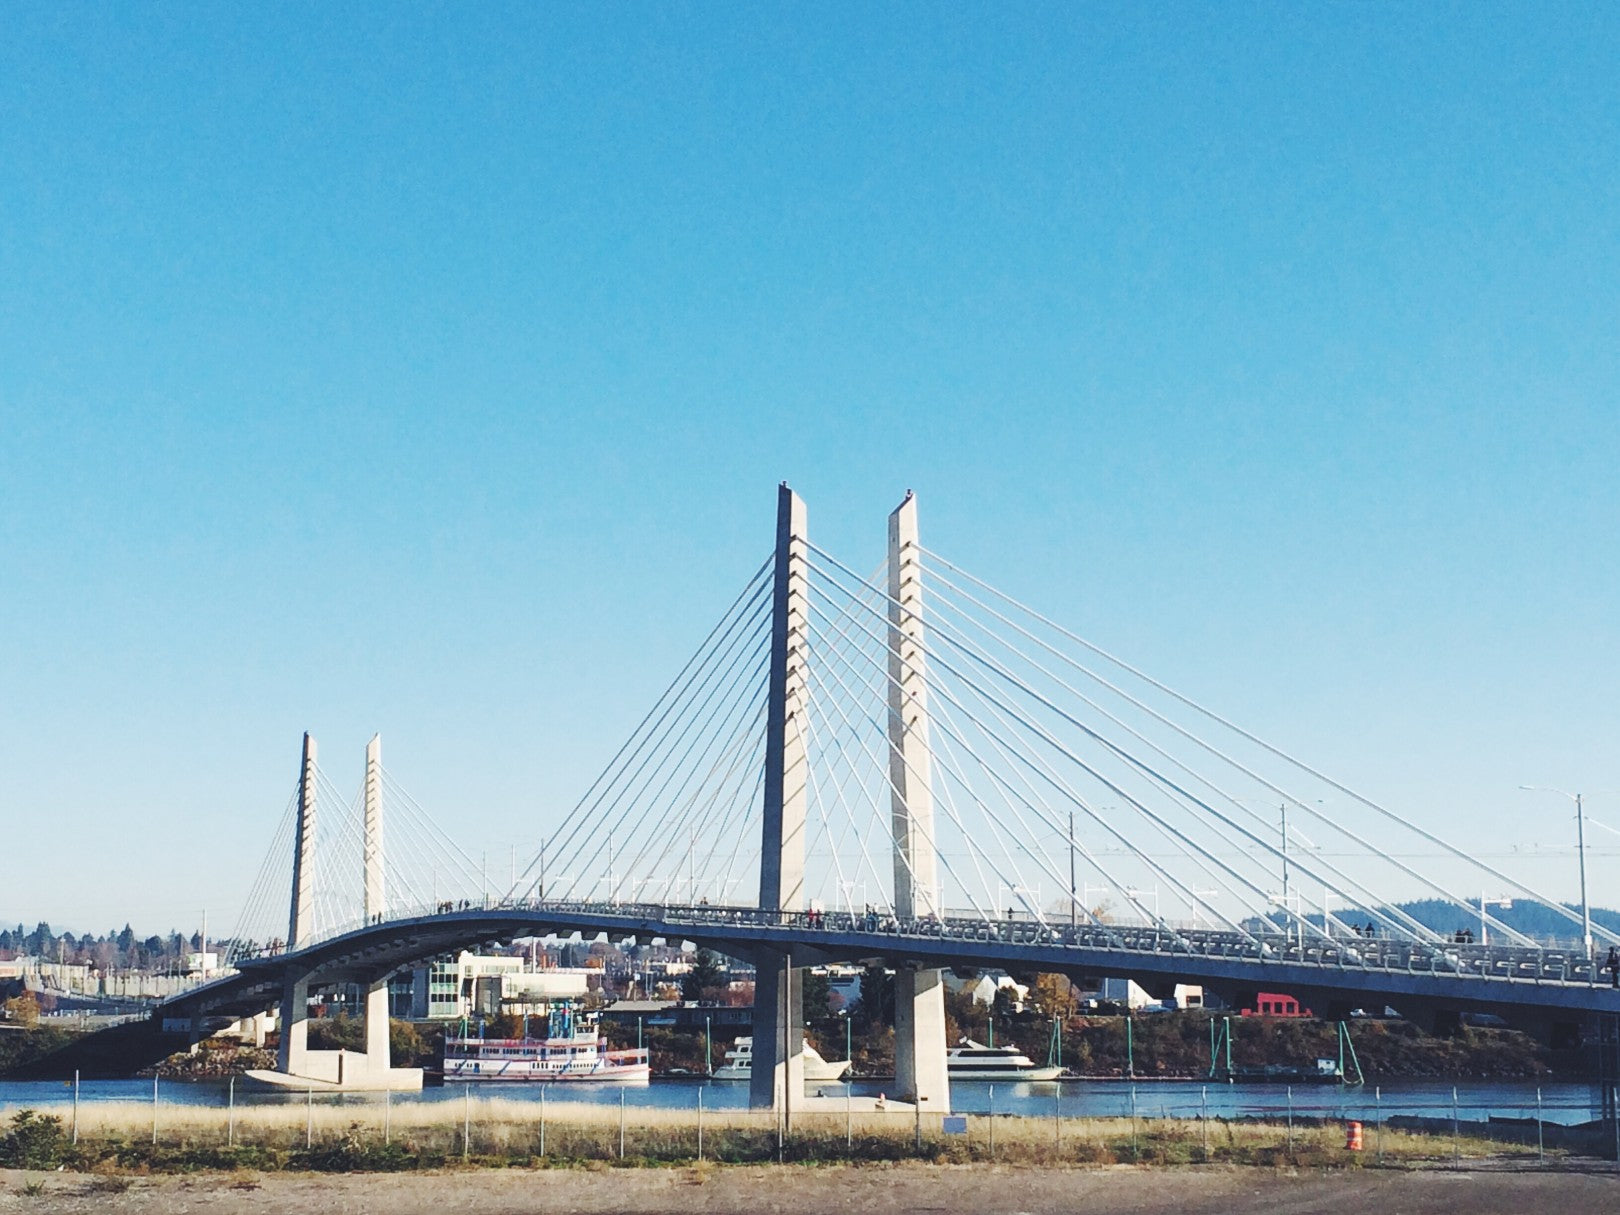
(355, 1154)
(34, 1141)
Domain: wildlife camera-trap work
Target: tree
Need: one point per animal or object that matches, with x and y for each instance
(23, 1010)
(876, 1005)
(706, 981)
(1052, 995)
(817, 991)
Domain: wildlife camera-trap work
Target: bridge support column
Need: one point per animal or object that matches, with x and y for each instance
(293, 1054)
(919, 995)
(778, 1067)
(378, 1058)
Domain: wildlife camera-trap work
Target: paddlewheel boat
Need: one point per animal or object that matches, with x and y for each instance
(571, 1050)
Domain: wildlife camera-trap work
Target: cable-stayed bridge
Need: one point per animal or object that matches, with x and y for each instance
(908, 764)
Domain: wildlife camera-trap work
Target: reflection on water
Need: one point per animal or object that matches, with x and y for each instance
(1561, 1102)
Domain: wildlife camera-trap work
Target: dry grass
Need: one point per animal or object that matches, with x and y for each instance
(505, 1132)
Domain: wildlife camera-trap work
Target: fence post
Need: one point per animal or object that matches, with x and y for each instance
(1541, 1141)
(992, 1123)
(1378, 1101)
(466, 1121)
(621, 1124)
(849, 1117)
(1290, 1121)
(1136, 1151)
(1203, 1113)
(309, 1117)
(1057, 1119)
(154, 1110)
(542, 1122)
(75, 1105)
(1457, 1136)
(700, 1124)
(230, 1113)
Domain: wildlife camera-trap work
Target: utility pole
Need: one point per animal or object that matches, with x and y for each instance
(1288, 928)
(1580, 849)
(1580, 846)
(1073, 907)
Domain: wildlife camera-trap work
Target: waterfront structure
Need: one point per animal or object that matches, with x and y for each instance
(569, 1050)
(298, 1066)
(778, 1066)
(738, 1063)
(1044, 751)
(920, 1073)
(469, 984)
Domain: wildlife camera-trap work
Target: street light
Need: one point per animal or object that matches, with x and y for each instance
(1484, 932)
(1580, 848)
(1194, 896)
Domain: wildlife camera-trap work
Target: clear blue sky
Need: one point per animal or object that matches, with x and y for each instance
(431, 369)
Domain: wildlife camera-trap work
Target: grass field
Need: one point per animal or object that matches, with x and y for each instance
(496, 1132)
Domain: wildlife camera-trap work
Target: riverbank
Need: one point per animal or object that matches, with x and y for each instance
(1161, 1046)
(764, 1190)
(301, 1136)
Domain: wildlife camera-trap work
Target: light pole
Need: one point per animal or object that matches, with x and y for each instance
(1136, 895)
(1073, 908)
(1580, 848)
(1283, 809)
(1484, 930)
(1196, 897)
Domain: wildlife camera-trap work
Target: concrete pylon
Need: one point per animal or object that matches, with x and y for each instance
(376, 905)
(778, 1068)
(293, 1054)
(919, 997)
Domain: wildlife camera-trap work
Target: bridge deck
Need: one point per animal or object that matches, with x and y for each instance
(1465, 976)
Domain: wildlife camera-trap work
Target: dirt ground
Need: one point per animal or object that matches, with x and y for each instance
(797, 1190)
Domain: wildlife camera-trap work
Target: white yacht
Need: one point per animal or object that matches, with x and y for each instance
(739, 1064)
(975, 1061)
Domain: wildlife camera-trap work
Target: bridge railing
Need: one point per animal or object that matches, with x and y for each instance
(1493, 963)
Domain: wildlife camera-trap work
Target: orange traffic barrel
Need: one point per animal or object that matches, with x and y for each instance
(1352, 1136)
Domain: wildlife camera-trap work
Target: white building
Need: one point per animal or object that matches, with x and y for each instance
(1126, 992)
(484, 984)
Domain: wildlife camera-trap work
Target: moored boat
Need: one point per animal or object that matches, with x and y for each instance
(739, 1064)
(570, 1051)
(975, 1061)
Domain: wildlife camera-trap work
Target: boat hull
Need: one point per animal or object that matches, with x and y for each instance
(616, 1075)
(958, 1076)
(824, 1074)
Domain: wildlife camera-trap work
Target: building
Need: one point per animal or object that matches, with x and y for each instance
(484, 985)
(1275, 1004)
(1133, 996)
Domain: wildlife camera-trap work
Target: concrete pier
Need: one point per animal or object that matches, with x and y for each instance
(778, 1069)
(919, 994)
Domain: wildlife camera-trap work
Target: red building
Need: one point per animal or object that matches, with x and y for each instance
(1274, 1004)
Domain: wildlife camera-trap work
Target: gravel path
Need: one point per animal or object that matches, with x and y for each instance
(901, 1189)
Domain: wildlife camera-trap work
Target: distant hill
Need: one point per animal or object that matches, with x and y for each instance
(1532, 919)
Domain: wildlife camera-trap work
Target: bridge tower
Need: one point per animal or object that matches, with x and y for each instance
(376, 906)
(919, 996)
(293, 1054)
(778, 1068)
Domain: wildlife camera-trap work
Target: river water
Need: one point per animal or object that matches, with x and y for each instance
(1475, 1102)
